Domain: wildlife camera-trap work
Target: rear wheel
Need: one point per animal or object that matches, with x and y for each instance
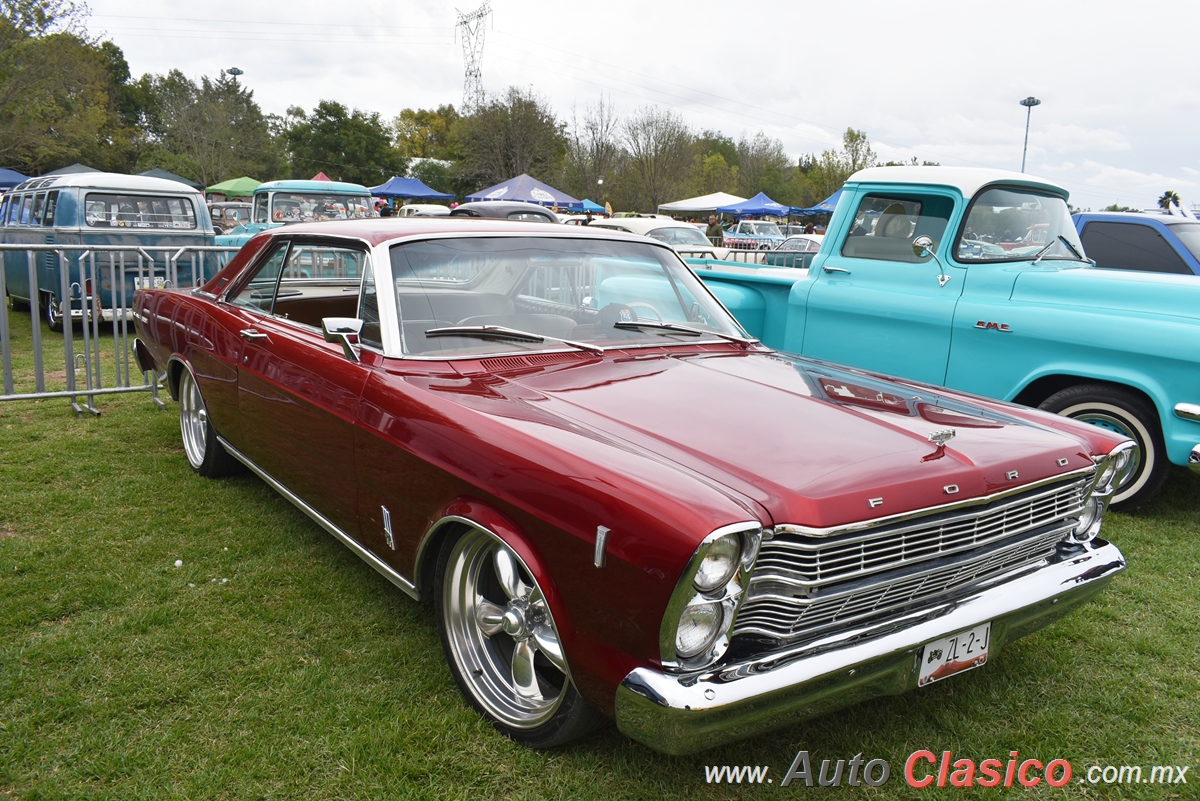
(503, 648)
(204, 452)
(54, 317)
(1128, 413)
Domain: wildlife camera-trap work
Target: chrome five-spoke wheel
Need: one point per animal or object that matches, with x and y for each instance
(502, 644)
(204, 453)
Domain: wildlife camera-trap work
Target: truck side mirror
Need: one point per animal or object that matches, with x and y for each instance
(922, 248)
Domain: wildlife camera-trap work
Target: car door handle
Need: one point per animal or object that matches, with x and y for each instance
(829, 269)
(250, 333)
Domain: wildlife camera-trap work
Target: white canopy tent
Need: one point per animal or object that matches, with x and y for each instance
(700, 204)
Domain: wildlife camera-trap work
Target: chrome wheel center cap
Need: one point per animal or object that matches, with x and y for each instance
(513, 622)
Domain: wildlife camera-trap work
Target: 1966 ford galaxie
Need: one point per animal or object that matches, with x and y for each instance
(620, 504)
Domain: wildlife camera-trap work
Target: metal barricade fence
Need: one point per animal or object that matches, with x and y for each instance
(94, 290)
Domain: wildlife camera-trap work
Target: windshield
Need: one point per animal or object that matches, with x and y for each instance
(1018, 224)
(680, 235)
(1189, 234)
(288, 207)
(762, 228)
(594, 293)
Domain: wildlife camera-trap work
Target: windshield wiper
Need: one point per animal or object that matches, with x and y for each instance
(1066, 242)
(676, 328)
(503, 332)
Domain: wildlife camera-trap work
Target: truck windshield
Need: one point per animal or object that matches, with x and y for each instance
(1018, 224)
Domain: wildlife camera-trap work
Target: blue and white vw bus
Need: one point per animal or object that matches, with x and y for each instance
(129, 229)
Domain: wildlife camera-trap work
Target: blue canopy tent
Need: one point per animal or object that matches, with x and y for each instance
(758, 206)
(408, 188)
(528, 189)
(591, 206)
(10, 178)
(826, 206)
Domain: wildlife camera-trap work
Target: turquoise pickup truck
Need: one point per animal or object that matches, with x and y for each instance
(976, 279)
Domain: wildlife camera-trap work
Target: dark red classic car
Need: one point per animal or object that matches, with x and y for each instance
(619, 503)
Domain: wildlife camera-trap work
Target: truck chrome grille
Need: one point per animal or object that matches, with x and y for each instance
(809, 583)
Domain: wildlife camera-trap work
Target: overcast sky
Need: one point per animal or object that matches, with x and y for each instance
(941, 81)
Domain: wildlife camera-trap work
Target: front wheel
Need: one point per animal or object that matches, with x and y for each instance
(1125, 412)
(204, 453)
(502, 645)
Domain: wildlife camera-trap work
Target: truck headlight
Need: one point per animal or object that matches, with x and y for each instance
(697, 620)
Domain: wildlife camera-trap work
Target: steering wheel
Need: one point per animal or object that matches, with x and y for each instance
(639, 304)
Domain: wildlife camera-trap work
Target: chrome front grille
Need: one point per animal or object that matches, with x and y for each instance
(807, 583)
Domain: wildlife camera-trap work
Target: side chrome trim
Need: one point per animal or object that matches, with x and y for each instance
(1188, 411)
(790, 528)
(371, 559)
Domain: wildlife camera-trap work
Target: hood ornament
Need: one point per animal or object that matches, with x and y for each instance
(940, 438)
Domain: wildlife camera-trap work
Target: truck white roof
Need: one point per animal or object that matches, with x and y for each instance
(967, 180)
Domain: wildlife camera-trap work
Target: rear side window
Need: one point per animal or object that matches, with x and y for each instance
(112, 210)
(1130, 246)
(885, 226)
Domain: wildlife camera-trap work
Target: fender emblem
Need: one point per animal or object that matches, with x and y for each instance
(990, 326)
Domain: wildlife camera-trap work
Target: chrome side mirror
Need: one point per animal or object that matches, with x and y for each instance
(922, 247)
(343, 330)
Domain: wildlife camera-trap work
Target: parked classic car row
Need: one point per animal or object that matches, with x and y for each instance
(619, 503)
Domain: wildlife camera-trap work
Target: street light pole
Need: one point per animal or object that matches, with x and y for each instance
(1028, 103)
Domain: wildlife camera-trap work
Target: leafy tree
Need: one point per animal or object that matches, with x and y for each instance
(1168, 198)
(1118, 207)
(831, 169)
(425, 133)
(508, 135)
(346, 145)
(54, 103)
(764, 167)
(594, 152)
(659, 145)
(207, 131)
(711, 173)
(433, 173)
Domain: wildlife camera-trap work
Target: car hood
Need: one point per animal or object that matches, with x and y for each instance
(1118, 290)
(813, 444)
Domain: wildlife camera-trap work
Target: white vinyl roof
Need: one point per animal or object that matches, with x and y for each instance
(967, 180)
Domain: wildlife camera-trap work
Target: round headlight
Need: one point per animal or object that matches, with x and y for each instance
(719, 563)
(1089, 519)
(699, 626)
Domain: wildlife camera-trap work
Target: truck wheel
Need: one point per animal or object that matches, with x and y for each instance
(1125, 412)
(54, 318)
(503, 648)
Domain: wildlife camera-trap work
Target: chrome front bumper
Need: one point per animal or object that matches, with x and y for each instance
(682, 714)
(1190, 411)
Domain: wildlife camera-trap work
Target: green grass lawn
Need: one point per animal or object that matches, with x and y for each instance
(275, 664)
